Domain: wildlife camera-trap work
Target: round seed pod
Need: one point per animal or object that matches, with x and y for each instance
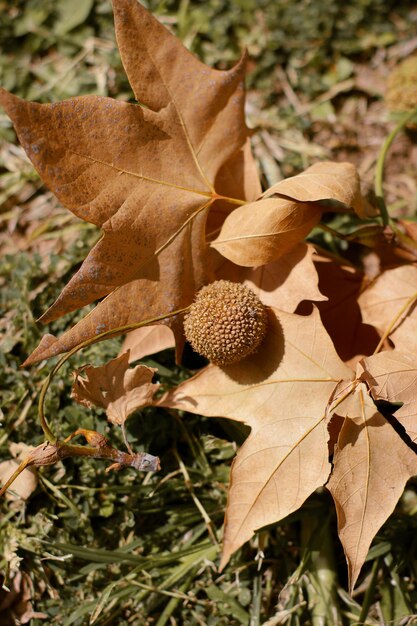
(401, 94)
(226, 322)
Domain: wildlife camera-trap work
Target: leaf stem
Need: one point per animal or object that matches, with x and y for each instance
(124, 434)
(379, 172)
(231, 200)
(84, 344)
(322, 583)
(206, 517)
(388, 331)
(370, 591)
(335, 233)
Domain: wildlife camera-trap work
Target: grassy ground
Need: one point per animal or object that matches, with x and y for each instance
(90, 547)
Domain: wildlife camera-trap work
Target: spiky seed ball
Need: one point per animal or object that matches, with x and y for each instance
(401, 95)
(226, 322)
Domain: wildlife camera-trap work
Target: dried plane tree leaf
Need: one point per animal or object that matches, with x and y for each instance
(340, 312)
(115, 387)
(390, 301)
(146, 175)
(150, 296)
(264, 231)
(282, 284)
(371, 467)
(162, 179)
(392, 376)
(24, 485)
(325, 180)
(16, 603)
(282, 393)
(147, 340)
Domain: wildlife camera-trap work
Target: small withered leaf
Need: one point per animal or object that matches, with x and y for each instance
(115, 387)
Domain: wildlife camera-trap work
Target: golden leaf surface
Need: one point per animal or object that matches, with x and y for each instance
(282, 284)
(146, 174)
(371, 467)
(264, 231)
(389, 305)
(340, 312)
(147, 340)
(23, 486)
(115, 387)
(392, 376)
(282, 393)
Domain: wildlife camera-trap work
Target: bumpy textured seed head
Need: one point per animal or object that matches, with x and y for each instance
(401, 94)
(226, 322)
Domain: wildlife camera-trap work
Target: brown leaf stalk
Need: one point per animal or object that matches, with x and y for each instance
(48, 453)
(397, 317)
(52, 439)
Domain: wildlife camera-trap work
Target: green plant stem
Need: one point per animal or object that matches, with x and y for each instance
(255, 613)
(370, 591)
(322, 589)
(379, 172)
(334, 233)
(173, 603)
(84, 344)
(188, 483)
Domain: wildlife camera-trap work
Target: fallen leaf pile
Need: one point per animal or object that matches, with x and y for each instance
(171, 182)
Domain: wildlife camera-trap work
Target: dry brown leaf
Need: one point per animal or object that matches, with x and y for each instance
(24, 485)
(264, 231)
(147, 340)
(392, 376)
(326, 180)
(371, 467)
(282, 284)
(340, 312)
(149, 296)
(389, 303)
(282, 393)
(16, 604)
(115, 387)
(146, 175)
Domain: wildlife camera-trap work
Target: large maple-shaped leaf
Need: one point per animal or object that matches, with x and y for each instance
(282, 393)
(146, 175)
(371, 467)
